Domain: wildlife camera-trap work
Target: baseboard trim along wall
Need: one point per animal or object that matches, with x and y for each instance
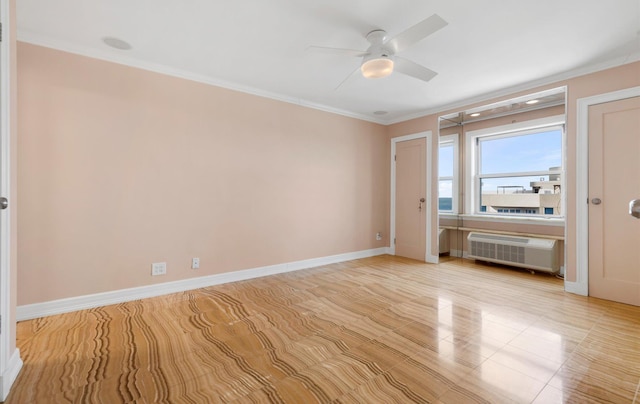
(36, 310)
(432, 259)
(578, 288)
(10, 374)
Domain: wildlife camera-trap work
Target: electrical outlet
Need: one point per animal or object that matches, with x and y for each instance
(378, 236)
(158, 268)
(195, 263)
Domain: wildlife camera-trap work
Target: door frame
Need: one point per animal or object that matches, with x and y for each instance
(581, 284)
(428, 136)
(10, 362)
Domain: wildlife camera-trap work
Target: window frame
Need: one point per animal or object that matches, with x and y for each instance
(472, 178)
(452, 140)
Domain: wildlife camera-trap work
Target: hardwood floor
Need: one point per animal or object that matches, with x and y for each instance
(377, 330)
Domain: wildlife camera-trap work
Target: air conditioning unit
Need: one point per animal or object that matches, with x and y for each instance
(526, 252)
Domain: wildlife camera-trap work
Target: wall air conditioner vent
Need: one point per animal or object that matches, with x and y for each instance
(510, 253)
(526, 252)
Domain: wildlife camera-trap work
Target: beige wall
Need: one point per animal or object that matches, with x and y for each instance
(584, 86)
(120, 167)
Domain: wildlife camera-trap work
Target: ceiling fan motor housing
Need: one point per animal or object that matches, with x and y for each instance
(378, 62)
(377, 37)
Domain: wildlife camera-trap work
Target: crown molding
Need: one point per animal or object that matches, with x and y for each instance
(35, 39)
(530, 85)
(108, 56)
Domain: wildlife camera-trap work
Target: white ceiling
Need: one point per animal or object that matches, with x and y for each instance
(260, 46)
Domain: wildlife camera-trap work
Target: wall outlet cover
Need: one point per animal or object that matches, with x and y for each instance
(158, 268)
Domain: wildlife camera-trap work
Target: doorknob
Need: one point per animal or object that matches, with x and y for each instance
(4, 203)
(634, 208)
(422, 200)
(596, 201)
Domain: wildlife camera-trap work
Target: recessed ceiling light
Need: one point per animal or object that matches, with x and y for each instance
(531, 102)
(380, 112)
(474, 114)
(116, 43)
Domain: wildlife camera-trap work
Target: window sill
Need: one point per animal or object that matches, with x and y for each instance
(542, 221)
(448, 215)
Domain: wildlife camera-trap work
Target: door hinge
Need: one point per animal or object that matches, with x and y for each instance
(394, 241)
(395, 158)
(0, 32)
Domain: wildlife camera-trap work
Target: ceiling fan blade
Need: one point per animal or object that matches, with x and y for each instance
(405, 66)
(347, 78)
(338, 51)
(417, 33)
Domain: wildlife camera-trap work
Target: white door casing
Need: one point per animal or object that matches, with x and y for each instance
(10, 362)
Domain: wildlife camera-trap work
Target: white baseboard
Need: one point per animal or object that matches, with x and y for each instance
(10, 374)
(459, 254)
(432, 259)
(36, 310)
(579, 288)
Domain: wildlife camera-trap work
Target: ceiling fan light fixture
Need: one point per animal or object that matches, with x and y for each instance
(377, 67)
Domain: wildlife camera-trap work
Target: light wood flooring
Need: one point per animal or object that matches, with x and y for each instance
(376, 330)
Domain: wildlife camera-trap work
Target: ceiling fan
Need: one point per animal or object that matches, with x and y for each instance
(381, 59)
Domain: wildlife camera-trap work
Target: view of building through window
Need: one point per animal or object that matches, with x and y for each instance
(520, 173)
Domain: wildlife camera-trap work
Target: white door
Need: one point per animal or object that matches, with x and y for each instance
(614, 181)
(410, 197)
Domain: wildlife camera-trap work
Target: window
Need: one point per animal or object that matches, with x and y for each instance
(516, 170)
(448, 174)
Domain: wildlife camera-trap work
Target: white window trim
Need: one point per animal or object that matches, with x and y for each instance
(455, 179)
(470, 183)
